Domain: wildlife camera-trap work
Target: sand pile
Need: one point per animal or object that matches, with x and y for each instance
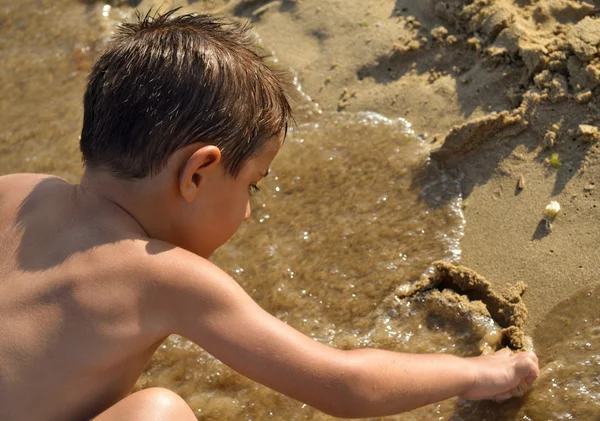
(463, 292)
(555, 62)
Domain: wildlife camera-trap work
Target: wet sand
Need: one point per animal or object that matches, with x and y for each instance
(442, 66)
(498, 86)
(495, 89)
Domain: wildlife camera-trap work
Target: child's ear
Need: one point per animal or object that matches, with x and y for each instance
(199, 165)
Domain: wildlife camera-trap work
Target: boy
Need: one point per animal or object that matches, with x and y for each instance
(182, 118)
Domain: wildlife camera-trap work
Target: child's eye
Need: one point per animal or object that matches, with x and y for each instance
(253, 189)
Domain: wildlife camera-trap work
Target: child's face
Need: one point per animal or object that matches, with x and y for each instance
(223, 203)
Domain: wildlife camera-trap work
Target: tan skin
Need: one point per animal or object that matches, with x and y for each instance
(93, 277)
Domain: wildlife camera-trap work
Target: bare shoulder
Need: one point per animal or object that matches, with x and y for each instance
(24, 181)
(15, 202)
(204, 304)
(14, 188)
(180, 273)
(188, 292)
(196, 296)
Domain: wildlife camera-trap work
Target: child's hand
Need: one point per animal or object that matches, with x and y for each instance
(503, 375)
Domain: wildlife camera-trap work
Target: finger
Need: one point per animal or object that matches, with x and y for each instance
(526, 367)
(504, 351)
(532, 375)
(502, 396)
(535, 358)
(530, 355)
(530, 379)
(536, 369)
(521, 389)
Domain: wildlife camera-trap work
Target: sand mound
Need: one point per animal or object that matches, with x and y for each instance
(553, 44)
(460, 288)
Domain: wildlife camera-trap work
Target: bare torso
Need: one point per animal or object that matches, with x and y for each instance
(73, 336)
(86, 298)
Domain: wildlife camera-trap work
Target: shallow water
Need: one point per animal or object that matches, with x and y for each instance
(41, 84)
(351, 210)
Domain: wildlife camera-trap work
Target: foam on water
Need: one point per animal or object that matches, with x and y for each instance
(353, 208)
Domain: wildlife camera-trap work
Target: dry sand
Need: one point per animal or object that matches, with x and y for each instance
(498, 87)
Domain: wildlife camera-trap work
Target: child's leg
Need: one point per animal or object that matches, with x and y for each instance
(154, 404)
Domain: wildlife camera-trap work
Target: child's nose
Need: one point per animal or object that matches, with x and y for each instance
(247, 211)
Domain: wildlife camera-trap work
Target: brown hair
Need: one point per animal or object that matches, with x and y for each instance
(168, 81)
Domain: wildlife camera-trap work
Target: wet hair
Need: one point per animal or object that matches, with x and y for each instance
(166, 81)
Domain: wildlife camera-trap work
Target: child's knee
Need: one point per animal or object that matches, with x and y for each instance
(164, 404)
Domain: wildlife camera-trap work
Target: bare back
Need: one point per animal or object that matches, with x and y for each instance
(73, 339)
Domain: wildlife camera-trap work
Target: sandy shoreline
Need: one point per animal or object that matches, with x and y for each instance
(441, 65)
(502, 85)
(500, 90)
(497, 86)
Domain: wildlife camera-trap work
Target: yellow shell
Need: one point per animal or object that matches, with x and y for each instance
(551, 211)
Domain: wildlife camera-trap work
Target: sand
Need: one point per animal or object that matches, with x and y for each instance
(504, 92)
(497, 87)
(452, 283)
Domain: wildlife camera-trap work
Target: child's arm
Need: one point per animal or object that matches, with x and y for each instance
(211, 309)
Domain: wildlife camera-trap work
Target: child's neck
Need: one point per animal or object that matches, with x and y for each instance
(140, 200)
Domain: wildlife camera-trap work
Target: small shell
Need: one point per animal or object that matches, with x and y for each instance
(550, 213)
(521, 182)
